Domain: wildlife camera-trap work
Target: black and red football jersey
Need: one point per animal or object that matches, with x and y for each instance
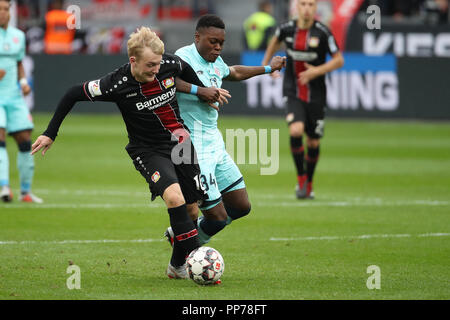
(310, 46)
(150, 110)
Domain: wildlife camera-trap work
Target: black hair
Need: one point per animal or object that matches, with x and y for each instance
(209, 20)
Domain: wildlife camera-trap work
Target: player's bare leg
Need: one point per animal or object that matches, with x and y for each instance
(25, 165)
(234, 205)
(5, 191)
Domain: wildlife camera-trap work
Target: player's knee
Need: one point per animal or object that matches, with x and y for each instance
(240, 211)
(173, 197)
(313, 143)
(217, 213)
(24, 146)
(296, 129)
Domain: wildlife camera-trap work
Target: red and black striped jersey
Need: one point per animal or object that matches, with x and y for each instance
(150, 110)
(305, 46)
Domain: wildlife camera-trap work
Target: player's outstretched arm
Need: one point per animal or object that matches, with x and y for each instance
(273, 46)
(238, 72)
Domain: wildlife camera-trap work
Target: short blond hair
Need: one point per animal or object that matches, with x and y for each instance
(142, 38)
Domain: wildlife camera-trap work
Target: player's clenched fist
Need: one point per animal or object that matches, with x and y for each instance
(277, 63)
(42, 142)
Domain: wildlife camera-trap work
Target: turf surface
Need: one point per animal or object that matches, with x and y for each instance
(382, 198)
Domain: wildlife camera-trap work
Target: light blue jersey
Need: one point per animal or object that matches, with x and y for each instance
(210, 74)
(14, 113)
(219, 173)
(12, 50)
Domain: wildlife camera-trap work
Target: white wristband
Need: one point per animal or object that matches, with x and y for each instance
(23, 82)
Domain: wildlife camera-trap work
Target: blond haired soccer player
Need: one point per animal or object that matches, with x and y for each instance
(15, 117)
(307, 43)
(159, 142)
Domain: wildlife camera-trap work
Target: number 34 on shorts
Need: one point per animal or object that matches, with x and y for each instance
(204, 183)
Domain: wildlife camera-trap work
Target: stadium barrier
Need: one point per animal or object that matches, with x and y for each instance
(384, 86)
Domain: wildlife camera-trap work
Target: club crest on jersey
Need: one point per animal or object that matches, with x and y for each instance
(94, 88)
(214, 83)
(156, 176)
(217, 71)
(314, 42)
(169, 82)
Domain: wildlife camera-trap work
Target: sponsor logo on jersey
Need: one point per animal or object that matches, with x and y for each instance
(157, 101)
(94, 88)
(302, 55)
(169, 82)
(313, 42)
(131, 94)
(156, 176)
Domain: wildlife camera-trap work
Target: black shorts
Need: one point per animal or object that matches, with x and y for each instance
(160, 172)
(311, 114)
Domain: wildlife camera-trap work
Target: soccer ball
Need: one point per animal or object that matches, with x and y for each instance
(205, 265)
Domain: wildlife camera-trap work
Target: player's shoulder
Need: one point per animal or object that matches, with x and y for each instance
(15, 32)
(186, 53)
(322, 27)
(122, 70)
(288, 24)
(184, 50)
(285, 28)
(169, 59)
(170, 63)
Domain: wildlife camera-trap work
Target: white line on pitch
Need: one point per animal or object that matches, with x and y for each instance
(81, 206)
(82, 241)
(377, 203)
(364, 236)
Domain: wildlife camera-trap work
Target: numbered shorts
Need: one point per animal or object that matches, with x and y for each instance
(219, 175)
(14, 115)
(160, 172)
(311, 114)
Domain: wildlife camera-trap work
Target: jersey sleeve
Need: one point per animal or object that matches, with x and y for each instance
(21, 54)
(280, 32)
(224, 68)
(102, 89)
(332, 46)
(186, 73)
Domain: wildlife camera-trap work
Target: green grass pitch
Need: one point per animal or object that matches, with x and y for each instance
(382, 198)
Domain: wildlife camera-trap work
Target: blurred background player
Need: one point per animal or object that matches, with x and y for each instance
(259, 27)
(308, 41)
(224, 183)
(15, 117)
